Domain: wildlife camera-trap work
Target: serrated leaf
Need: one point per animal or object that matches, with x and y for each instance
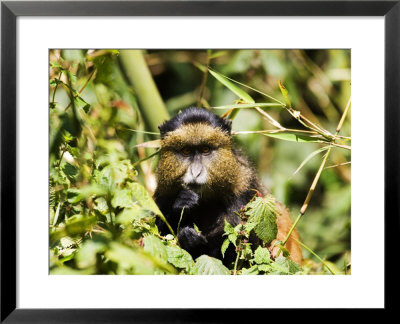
(228, 228)
(224, 247)
(179, 258)
(206, 265)
(262, 255)
(233, 238)
(262, 212)
(248, 227)
(155, 247)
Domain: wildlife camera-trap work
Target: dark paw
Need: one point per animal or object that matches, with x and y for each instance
(187, 199)
(188, 238)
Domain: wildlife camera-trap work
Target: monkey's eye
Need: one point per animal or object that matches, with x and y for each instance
(186, 151)
(205, 149)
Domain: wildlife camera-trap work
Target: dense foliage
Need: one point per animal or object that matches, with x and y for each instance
(103, 151)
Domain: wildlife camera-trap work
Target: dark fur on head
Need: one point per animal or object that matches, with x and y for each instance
(195, 115)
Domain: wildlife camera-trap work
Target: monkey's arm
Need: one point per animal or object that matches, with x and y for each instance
(171, 207)
(192, 241)
(186, 199)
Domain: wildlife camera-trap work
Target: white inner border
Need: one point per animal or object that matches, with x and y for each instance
(364, 288)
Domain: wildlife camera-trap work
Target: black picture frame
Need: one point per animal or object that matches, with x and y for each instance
(10, 10)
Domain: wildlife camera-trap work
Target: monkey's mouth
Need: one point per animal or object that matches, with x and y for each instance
(194, 186)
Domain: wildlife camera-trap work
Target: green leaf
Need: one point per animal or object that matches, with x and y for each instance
(179, 258)
(86, 255)
(206, 265)
(155, 247)
(135, 261)
(284, 265)
(196, 228)
(77, 224)
(100, 204)
(261, 255)
(295, 137)
(122, 198)
(309, 157)
(228, 228)
(76, 195)
(233, 238)
(224, 246)
(247, 106)
(262, 212)
(251, 271)
(128, 215)
(285, 93)
(114, 175)
(231, 86)
(265, 267)
(67, 136)
(54, 64)
(144, 198)
(248, 227)
(70, 171)
(64, 270)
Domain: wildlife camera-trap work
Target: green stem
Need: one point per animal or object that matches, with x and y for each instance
(314, 254)
(146, 158)
(180, 219)
(236, 263)
(55, 89)
(204, 80)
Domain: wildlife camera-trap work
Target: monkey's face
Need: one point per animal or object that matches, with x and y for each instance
(199, 157)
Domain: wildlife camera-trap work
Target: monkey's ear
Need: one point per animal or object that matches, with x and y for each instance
(227, 124)
(161, 127)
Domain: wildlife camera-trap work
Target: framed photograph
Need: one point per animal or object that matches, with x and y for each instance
(307, 90)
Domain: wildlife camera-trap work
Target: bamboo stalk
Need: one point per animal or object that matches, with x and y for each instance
(151, 105)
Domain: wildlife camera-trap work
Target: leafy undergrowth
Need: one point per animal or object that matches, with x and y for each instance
(102, 220)
(112, 231)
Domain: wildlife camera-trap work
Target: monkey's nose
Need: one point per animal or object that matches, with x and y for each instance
(196, 170)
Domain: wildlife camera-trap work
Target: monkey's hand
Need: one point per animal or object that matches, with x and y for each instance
(190, 240)
(186, 198)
